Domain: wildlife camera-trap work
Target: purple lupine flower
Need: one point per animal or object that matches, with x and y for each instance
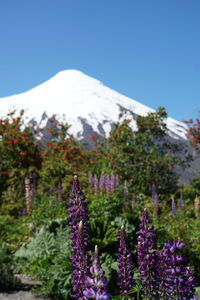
(196, 206)
(112, 183)
(79, 213)
(133, 202)
(148, 257)
(28, 194)
(95, 184)
(125, 266)
(155, 199)
(59, 196)
(126, 188)
(102, 182)
(51, 191)
(181, 202)
(90, 179)
(23, 212)
(78, 210)
(177, 280)
(96, 282)
(79, 263)
(173, 207)
(107, 183)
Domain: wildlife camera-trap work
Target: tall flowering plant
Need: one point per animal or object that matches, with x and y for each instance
(173, 207)
(79, 228)
(79, 260)
(148, 257)
(125, 266)
(96, 282)
(104, 183)
(78, 211)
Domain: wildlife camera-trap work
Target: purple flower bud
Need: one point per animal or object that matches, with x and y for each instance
(179, 244)
(173, 208)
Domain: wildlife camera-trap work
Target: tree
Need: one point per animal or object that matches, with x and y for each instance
(145, 156)
(194, 132)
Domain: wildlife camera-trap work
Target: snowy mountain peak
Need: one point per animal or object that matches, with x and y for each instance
(71, 78)
(85, 103)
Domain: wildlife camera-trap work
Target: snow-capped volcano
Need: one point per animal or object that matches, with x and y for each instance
(86, 104)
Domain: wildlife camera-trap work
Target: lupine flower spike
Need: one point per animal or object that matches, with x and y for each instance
(178, 282)
(126, 188)
(173, 207)
(133, 202)
(107, 183)
(23, 212)
(112, 183)
(101, 182)
(80, 235)
(181, 202)
(147, 257)
(96, 283)
(78, 210)
(51, 191)
(196, 206)
(125, 266)
(90, 179)
(79, 263)
(28, 194)
(95, 184)
(59, 195)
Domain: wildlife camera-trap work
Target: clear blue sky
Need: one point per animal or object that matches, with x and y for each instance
(148, 50)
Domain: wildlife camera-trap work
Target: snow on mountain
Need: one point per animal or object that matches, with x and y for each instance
(84, 102)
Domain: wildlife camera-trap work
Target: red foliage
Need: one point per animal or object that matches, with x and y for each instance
(23, 153)
(9, 143)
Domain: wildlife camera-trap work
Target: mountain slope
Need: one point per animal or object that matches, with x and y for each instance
(85, 103)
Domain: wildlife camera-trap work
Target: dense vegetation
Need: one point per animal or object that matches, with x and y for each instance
(120, 175)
